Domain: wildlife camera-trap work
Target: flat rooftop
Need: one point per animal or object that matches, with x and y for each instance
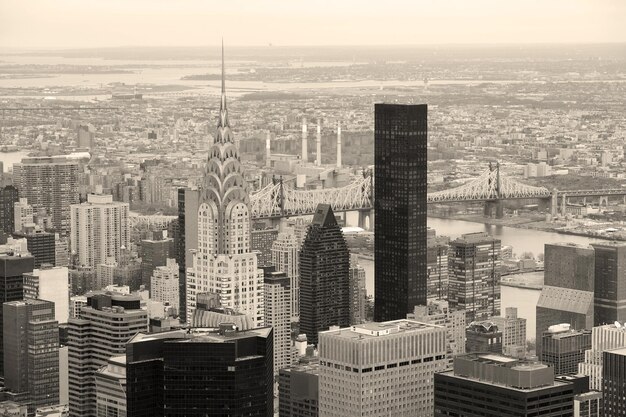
(374, 330)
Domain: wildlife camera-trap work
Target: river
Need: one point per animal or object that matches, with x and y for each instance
(10, 158)
(522, 240)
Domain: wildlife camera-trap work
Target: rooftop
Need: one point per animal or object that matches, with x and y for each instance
(373, 329)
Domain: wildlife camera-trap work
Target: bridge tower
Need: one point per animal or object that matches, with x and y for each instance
(494, 183)
(554, 203)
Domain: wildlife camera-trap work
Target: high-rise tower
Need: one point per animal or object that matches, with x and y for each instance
(223, 262)
(400, 187)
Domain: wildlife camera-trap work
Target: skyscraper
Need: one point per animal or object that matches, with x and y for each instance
(31, 352)
(215, 372)
(437, 260)
(603, 338)
(474, 276)
(286, 258)
(110, 383)
(358, 295)
(103, 329)
(262, 238)
(41, 245)
(99, 230)
(223, 261)
(278, 315)
(50, 284)
(50, 183)
(496, 386)
(400, 222)
(164, 285)
(614, 382)
(380, 369)
(610, 282)
(564, 348)
(8, 198)
(154, 252)
(324, 276)
(12, 285)
(513, 332)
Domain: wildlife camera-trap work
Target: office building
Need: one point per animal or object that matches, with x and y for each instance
(614, 382)
(588, 404)
(262, 238)
(437, 267)
(164, 285)
(222, 259)
(103, 329)
(154, 252)
(179, 243)
(61, 251)
(358, 294)
(324, 276)
(564, 348)
(400, 143)
(513, 332)
(483, 336)
(437, 312)
(569, 265)
(41, 245)
(50, 284)
(12, 267)
(8, 198)
(298, 388)
(203, 373)
(11, 408)
(396, 360)
(286, 258)
(493, 385)
(99, 230)
(31, 352)
(110, 383)
(603, 338)
(474, 276)
(277, 295)
(562, 305)
(49, 183)
(209, 313)
(22, 214)
(610, 283)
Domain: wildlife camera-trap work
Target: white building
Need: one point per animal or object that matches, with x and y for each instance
(98, 229)
(223, 262)
(437, 312)
(380, 369)
(111, 388)
(603, 338)
(513, 330)
(164, 285)
(77, 302)
(286, 258)
(22, 214)
(278, 315)
(105, 273)
(50, 284)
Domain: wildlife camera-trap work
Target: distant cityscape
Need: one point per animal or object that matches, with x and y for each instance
(428, 236)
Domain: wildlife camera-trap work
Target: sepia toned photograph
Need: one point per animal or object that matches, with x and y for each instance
(355, 208)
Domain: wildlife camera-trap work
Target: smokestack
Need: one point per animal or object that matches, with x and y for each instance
(338, 144)
(305, 158)
(319, 144)
(268, 152)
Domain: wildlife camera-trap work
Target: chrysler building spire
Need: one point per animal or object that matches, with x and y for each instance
(224, 135)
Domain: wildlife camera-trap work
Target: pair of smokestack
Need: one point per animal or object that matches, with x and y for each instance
(318, 160)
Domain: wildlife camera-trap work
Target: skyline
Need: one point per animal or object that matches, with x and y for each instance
(72, 24)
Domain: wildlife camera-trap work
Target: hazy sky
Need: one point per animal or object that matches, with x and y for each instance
(95, 23)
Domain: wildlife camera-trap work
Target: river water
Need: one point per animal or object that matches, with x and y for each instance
(522, 240)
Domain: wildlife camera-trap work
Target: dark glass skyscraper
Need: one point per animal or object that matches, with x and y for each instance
(610, 285)
(324, 276)
(400, 209)
(8, 197)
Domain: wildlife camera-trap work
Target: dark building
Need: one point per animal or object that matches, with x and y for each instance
(262, 238)
(614, 382)
(179, 243)
(12, 286)
(497, 386)
(225, 373)
(564, 349)
(400, 223)
(610, 285)
(154, 252)
(8, 197)
(298, 388)
(568, 265)
(483, 336)
(41, 245)
(324, 276)
(567, 295)
(31, 352)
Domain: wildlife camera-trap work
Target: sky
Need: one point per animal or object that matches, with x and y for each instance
(28, 24)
